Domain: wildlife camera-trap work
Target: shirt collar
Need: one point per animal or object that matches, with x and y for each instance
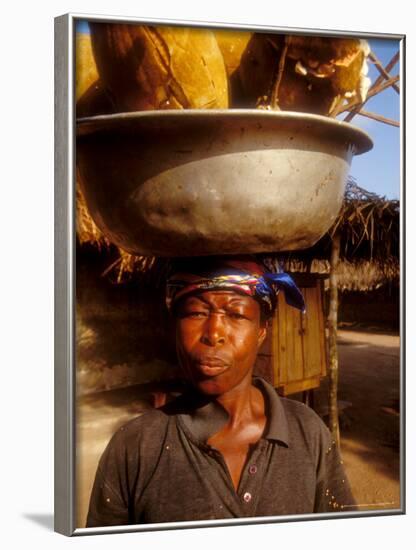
(201, 417)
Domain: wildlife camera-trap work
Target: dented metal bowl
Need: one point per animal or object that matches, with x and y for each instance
(194, 182)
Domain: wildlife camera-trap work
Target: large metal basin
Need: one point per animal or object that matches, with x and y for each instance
(183, 183)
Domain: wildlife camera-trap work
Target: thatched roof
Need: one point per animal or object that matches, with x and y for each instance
(369, 226)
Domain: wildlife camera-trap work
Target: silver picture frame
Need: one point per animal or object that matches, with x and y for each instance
(65, 295)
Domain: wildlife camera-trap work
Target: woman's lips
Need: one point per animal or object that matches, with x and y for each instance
(211, 368)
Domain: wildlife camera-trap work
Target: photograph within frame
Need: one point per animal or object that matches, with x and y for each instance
(116, 293)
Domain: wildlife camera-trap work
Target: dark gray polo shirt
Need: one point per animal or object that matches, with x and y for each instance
(159, 468)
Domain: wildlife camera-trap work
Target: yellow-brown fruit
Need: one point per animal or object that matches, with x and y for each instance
(146, 67)
(316, 72)
(341, 60)
(296, 93)
(258, 66)
(85, 68)
(94, 101)
(232, 45)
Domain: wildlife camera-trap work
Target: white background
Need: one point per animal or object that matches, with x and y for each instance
(26, 286)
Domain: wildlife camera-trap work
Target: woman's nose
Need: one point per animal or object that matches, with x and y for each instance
(214, 332)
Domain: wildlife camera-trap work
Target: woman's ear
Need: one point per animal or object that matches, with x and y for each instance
(262, 334)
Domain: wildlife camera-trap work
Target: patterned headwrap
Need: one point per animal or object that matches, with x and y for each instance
(239, 274)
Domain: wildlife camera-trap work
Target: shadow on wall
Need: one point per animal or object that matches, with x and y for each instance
(122, 330)
(380, 306)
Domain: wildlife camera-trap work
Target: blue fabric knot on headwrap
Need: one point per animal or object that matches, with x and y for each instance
(271, 282)
(246, 277)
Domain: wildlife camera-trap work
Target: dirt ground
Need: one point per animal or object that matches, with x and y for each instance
(369, 394)
(369, 387)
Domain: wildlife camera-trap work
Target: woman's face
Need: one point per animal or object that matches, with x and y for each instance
(218, 335)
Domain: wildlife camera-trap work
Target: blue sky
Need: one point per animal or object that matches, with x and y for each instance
(379, 169)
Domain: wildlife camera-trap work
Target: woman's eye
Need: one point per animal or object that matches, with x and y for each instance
(195, 314)
(236, 315)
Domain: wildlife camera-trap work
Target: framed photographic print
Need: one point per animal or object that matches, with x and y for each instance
(228, 284)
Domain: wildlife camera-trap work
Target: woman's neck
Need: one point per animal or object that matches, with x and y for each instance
(244, 403)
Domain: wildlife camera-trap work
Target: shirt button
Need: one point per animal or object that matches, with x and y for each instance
(253, 469)
(247, 497)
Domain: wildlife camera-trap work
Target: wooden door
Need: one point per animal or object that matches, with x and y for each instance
(298, 343)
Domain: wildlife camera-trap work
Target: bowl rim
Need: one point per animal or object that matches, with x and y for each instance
(359, 138)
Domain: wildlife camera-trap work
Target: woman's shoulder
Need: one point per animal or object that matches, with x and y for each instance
(302, 418)
(144, 429)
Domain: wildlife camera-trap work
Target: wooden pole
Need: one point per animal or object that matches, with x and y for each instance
(374, 90)
(274, 101)
(388, 68)
(382, 70)
(332, 338)
(380, 118)
(356, 104)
